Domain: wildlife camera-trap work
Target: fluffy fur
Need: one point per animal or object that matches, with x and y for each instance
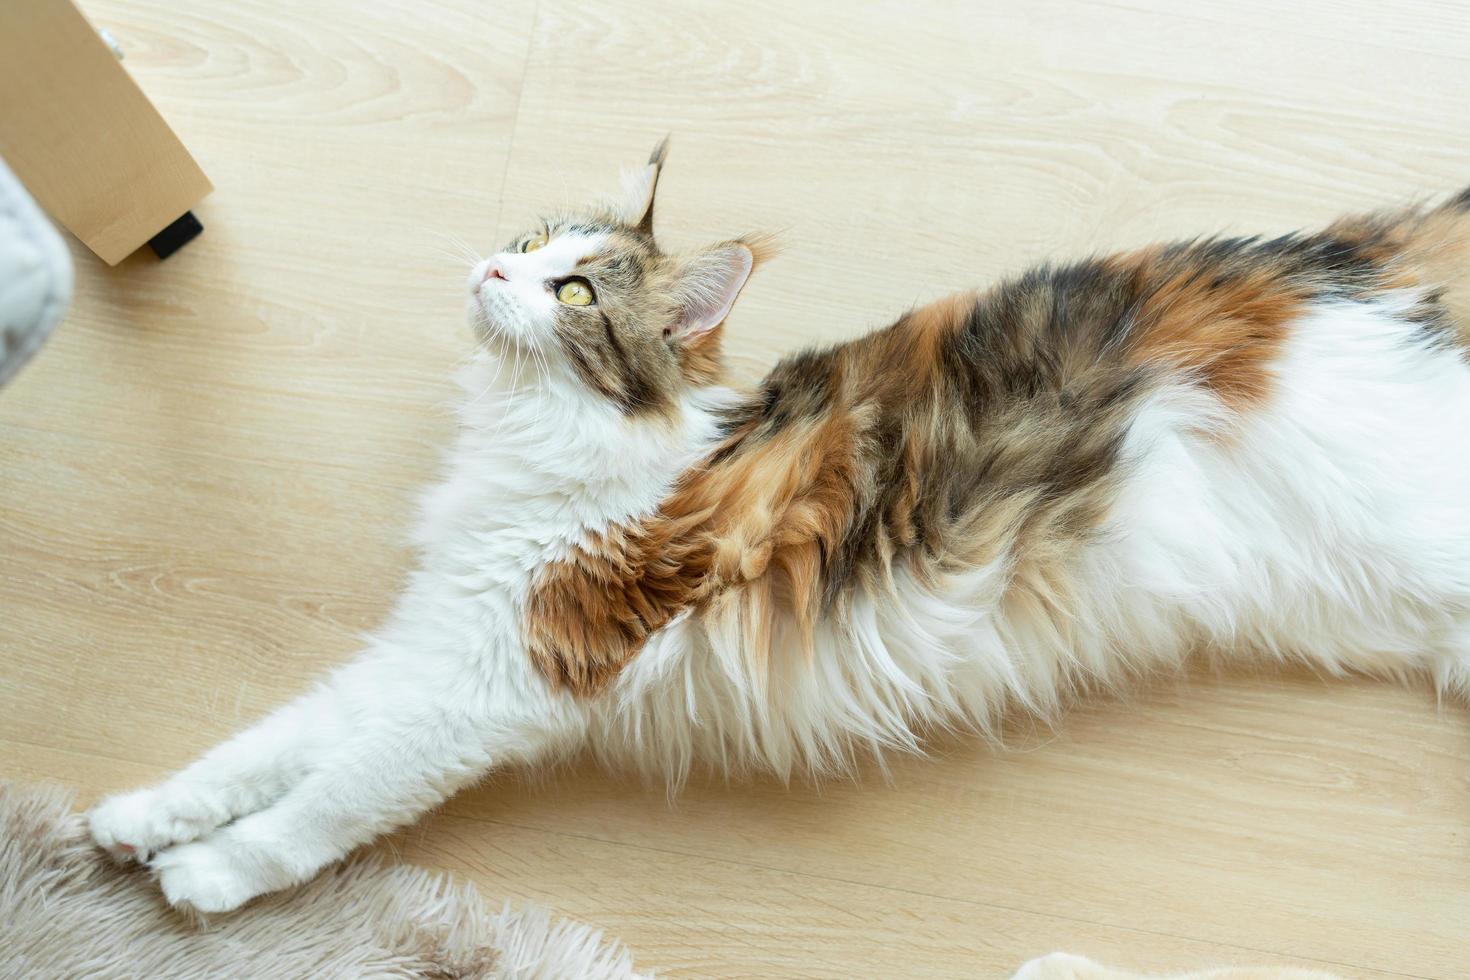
(1084, 474)
(66, 911)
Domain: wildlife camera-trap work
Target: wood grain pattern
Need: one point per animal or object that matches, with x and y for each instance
(205, 477)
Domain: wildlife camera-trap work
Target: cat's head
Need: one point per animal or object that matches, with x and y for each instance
(592, 297)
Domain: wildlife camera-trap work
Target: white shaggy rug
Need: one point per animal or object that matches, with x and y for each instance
(67, 911)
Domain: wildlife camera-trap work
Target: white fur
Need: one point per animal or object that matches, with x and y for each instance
(523, 303)
(1329, 527)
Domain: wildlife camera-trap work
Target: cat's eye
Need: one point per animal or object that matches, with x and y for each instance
(533, 243)
(576, 292)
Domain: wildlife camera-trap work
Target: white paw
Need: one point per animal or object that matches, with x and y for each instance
(131, 826)
(1059, 966)
(207, 876)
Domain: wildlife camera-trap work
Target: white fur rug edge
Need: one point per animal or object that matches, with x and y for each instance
(66, 911)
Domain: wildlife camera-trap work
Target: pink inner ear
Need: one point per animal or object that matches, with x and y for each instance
(710, 284)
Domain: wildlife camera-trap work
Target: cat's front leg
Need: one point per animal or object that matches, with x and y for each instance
(237, 777)
(375, 786)
(414, 726)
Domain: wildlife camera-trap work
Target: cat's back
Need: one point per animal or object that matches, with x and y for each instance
(1257, 436)
(1220, 312)
(1262, 439)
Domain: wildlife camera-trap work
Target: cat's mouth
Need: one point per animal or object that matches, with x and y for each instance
(497, 307)
(499, 318)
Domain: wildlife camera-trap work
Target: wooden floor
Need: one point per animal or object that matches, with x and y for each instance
(206, 477)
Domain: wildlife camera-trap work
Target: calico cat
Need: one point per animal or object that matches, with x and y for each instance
(1004, 498)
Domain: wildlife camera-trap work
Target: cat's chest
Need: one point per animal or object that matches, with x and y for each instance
(495, 525)
(527, 489)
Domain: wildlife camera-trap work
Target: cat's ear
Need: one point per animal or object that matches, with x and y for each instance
(708, 284)
(639, 188)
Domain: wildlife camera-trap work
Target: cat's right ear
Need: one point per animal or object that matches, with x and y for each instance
(709, 282)
(640, 188)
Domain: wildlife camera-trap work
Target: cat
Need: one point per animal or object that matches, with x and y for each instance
(1003, 499)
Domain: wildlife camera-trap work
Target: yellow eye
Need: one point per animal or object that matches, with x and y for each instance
(539, 241)
(575, 292)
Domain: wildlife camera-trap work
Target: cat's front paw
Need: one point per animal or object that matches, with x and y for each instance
(131, 826)
(1063, 966)
(207, 876)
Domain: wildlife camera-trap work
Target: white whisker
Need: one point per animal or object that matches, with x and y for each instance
(458, 249)
(514, 391)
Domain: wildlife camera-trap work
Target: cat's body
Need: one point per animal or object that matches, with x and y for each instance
(1088, 473)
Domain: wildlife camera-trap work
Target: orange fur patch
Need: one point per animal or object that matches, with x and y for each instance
(1424, 250)
(589, 613)
(1225, 329)
(726, 525)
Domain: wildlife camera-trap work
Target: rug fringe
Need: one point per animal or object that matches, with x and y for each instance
(66, 910)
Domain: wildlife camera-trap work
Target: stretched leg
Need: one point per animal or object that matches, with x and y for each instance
(422, 713)
(378, 779)
(237, 777)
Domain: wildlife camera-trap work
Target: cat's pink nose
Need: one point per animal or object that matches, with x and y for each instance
(494, 271)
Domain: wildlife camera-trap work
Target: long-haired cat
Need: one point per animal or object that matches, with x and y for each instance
(1080, 475)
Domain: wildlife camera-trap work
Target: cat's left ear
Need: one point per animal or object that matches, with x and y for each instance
(708, 286)
(640, 188)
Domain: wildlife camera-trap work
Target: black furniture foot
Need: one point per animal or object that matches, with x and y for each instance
(176, 235)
